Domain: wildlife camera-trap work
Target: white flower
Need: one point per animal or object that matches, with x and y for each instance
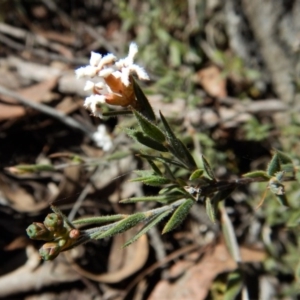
(102, 138)
(95, 59)
(89, 86)
(127, 67)
(108, 59)
(105, 72)
(93, 103)
(89, 71)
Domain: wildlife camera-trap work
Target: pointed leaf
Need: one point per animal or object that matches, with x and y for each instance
(257, 174)
(274, 165)
(196, 174)
(145, 140)
(155, 220)
(163, 160)
(284, 158)
(166, 198)
(229, 233)
(282, 200)
(212, 204)
(207, 168)
(123, 225)
(178, 149)
(179, 215)
(154, 167)
(211, 210)
(144, 105)
(234, 285)
(99, 220)
(153, 180)
(149, 128)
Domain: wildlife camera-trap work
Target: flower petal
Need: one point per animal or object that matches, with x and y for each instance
(95, 59)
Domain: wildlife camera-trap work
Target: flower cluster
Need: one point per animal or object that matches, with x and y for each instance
(115, 85)
(59, 235)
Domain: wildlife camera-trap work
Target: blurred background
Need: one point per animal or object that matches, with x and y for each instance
(226, 75)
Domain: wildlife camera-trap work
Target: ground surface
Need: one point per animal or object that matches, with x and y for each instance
(227, 75)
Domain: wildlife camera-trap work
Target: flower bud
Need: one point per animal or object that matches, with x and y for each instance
(49, 251)
(38, 231)
(54, 222)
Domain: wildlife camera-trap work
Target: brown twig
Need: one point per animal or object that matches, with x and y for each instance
(48, 111)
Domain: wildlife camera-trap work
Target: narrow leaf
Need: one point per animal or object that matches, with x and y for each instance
(176, 146)
(149, 128)
(161, 198)
(284, 158)
(207, 168)
(274, 165)
(154, 167)
(229, 234)
(211, 210)
(99, 220)
(257, 174)
(179, 215)
(196, 174)
(282, 200)
(148, 226)
(234, 285)
(145, 140)
(144, 105)
(163, 160)
(223, 194)
(123, 225)
(153, 180)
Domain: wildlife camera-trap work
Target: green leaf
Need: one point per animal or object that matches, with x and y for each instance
(123, 225)
(155, 220)
(145, 140)
(212, 204)
(179, 215)
(144, 105)
(149, 128)
(162, 159)
(274, 165)
(34, 168)
(257, 174)
(99, 220)
(165, 198)
(234, 285)
(284, 159)
(153, 180)
(229, 233)
(196, 174)
(154, 167)
(207, 168)
(282, 200)
(178, 149)
(211, 209)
